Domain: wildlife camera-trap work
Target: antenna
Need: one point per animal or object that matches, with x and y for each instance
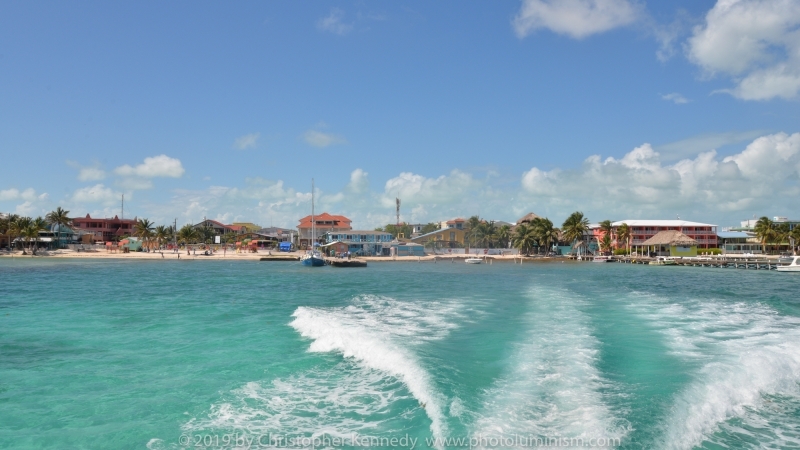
(397, 201)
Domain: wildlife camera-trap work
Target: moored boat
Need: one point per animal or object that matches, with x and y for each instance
(663, 261)
(473, 261)
(793, 266)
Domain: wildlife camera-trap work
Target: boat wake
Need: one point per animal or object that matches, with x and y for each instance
(553, 388)
(745, 388)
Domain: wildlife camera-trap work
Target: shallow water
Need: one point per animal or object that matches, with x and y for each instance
(189, 354)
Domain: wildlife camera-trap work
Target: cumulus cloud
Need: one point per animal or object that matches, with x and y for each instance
(575, 18)
(91, 174)
(321, 140)
(15, 194)
(152, 167)
(98, 193)
(764, 175)
(334, 23)
(755, 42)
(359, 181)
(247, 141)
(676, 98)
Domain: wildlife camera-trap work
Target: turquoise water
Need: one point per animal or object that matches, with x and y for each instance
(189, 354)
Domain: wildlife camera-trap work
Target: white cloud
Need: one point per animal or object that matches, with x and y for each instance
(755, 42)
(359, 181)
(575, 18)
(91, 174)
(134, 183)
(27, 209)
(15, 194)
(764, 175)
(322, 140)
(704, 142)
(676, 98)
(334, 23)
(247, 141)
(96, 194)
(153, 166)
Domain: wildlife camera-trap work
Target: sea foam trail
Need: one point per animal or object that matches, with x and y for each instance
(745, 354)
(553, 387)
(370, 331)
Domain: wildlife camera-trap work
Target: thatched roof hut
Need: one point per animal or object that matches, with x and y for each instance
(670, 237)
(527, 218)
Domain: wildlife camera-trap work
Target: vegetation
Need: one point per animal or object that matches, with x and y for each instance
(187, 234)
(540, 232)
(430, 228)
(624, 234)
(395, 230)
(59, 217)
(765, 232)
(144, 230)
(575, 227)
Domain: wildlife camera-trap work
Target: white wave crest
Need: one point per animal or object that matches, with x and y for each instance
(744, 353)
(553, 387)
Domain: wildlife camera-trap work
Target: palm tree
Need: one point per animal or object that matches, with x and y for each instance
(485, 234)
(472, 229)
(30, 229)
(59, 217)
(187, 234)
(624, 233)
(607, 228)
(15, 226)
(524, 238)
(161, 234)
(546, 232)
(144, 230)
(781, 233)
(575, 227)
(794, 238)
(503, 236)
(765, 231)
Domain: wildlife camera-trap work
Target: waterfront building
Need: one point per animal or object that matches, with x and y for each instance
(733, 242)
(641, 230)
(219, 228)
(444, 238)
(457, 223)
(323, 223)
(104, 229)
(670, 243)
(358, 242)
(248, 227)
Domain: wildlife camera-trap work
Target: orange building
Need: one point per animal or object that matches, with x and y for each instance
(323, 223)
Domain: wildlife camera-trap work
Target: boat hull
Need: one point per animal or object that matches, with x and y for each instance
(788, 268)
(473, 260)
(312, 261)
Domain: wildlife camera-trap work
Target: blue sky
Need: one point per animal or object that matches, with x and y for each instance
(618, 108)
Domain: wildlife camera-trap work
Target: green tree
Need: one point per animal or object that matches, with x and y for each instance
(765, 232)
(59, 217)
(524, 238)
(503, 236)
(485, 234)
(794, 238)
(395, 230)
(430, 228)
(546, 232)
(607, 228)
(187, 234)
(624, 233)
(143, 229)
(471, 230)
(575, 227)
(161, 235)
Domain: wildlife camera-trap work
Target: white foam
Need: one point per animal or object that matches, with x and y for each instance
(743, 353)
(553, 387)
(335, 401)
(373, 331)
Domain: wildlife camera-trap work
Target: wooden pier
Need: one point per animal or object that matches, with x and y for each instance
(720, 262)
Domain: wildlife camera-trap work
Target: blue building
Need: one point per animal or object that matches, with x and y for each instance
(359, 242)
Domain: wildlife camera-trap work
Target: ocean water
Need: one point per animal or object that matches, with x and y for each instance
(191, 354)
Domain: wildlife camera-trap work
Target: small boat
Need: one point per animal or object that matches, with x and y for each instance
(601, 259)
(794, 266)
(473, 260)
(312, 258)
(663, 261)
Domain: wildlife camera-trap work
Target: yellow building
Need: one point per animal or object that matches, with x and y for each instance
(670, 243)
(446, 238)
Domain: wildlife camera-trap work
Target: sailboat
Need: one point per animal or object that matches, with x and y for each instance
(313, 258)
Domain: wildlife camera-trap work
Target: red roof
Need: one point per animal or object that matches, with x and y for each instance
(339, 221)
(235, 227)
(456, 220)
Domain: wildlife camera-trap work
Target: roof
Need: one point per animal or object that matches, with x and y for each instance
(670, 237)
(305, 222)
(446, 230)
(220, 224)
(661, 223)
(456, 220)
(357, 232)
(734, 235)
(527, 218)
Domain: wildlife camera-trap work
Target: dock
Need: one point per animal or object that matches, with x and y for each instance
(335, 262)
(720, 262)
(280, 258)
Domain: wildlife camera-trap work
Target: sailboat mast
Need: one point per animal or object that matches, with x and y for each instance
(313, 222)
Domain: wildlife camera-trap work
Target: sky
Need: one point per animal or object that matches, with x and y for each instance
(621, 109)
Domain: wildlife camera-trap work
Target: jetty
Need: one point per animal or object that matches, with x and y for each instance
(337, 262)
(720, 262)
(280, 258)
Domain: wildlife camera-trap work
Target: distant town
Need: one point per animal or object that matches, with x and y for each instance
(334, 234)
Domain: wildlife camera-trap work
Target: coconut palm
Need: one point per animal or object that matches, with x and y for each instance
(187, 234)
(781, 233)
(15, 226)
(30, 229)
(472, 229)
(485, 234)
(624, 233)
(144, 230)
(546, 232)
(794, 238)
(60, 217)
(161, 234)
(503, 236)
(765, 231)
(575, 227)
(524, 238)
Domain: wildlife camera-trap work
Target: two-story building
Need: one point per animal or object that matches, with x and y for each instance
(359, 242)
(457, 223)
(641, 230)
(104, 229)
(444, 238)
(323, 223)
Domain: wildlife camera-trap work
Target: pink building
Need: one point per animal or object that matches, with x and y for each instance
(641, 230)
